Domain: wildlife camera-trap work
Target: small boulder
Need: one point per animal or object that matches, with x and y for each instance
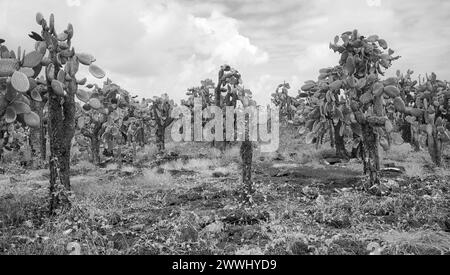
(219, 175)
(189, 234)
(332, 161)
(138, 227)
(300, 248)
(215, 228)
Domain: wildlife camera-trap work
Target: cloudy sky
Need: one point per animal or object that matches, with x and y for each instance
(151, 47)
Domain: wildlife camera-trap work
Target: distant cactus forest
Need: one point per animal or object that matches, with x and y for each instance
(362, 165)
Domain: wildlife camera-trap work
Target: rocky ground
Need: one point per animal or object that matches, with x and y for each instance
(190, 204)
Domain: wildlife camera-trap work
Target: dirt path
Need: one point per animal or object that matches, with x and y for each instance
(294, 178)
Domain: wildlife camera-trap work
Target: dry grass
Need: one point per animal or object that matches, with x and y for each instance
(83, 167)
(341, 222)
(417, 243)
(146, 154)
(413, 162)
(152, 180)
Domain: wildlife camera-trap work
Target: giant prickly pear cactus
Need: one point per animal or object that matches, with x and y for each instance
(139, 122)
(100, 106)
(17, 86)
(408, 91)
(429, 114)
(286, 103)
(231, 86)
(19, 91)
(61, 66)
(225, 95)
(330, 114)
(161, 110)
(38, 136)
(14, 138)
(363, 60)
(205, 93)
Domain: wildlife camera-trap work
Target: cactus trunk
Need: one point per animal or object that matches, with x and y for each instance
(247, 158)
(416, 144)
(339, 142)
(406, 131)
(95, 141)
(371, 158)
(332, 133)
(38, 140)
(160, 140)
(119, 156)
(43, 140)
(61, 133)
(134, 150)
(95, 150)
(58, 199)
(69, 109)
(435, 149)
(35, 144)
(140, 136)
(409, 136)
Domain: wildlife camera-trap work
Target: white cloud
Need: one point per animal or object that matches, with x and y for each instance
(150, 47)
(314, 58)
(224, 42)
(135, 41)
(73, 3)
(373, 3)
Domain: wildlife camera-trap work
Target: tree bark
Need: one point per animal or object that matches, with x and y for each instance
(160, 140)
(339, 142)
(61, 133)
(247, 158)
(407, 132)
(94, 137)
(409, 136)
(140, 136)
(58, 197)
(95, 149)
(371, 158)
(119, 154)
(332, 134)
(35, 143)
(43, 139)
(435, 149)
(69, 110)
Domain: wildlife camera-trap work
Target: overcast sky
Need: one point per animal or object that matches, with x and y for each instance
(151, 47)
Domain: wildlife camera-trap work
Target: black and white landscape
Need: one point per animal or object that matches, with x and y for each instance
(250, 127)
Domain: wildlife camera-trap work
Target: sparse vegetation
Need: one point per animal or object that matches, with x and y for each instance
(231, 198)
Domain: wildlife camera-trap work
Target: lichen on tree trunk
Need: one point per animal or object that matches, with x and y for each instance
(58, 184)
(61, 133)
